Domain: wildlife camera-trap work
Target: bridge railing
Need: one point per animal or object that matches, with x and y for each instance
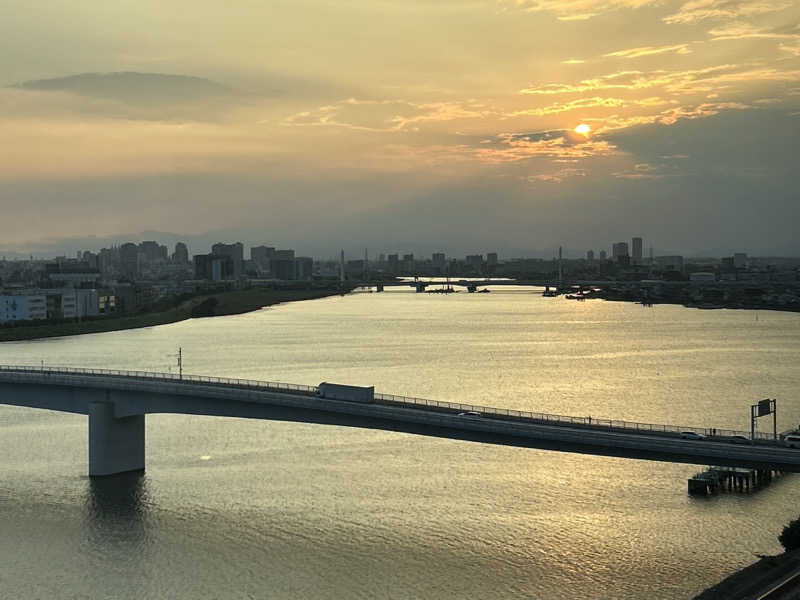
(154, 376)
(407, 401)
(553, 419)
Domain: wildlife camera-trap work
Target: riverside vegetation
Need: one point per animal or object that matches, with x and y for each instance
(768, 569)
(169, 310)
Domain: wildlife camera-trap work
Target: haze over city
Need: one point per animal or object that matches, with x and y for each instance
(509, 125)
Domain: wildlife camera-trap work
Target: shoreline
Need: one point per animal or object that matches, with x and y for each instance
(753, 579)
(208, 305)
(700, 306)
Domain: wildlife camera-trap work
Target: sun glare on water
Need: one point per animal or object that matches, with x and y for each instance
(583, 129)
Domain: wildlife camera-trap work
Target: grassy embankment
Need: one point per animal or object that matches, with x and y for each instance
(752, 579)
(217, 304)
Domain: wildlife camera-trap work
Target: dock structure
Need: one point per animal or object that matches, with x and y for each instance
(732, 479)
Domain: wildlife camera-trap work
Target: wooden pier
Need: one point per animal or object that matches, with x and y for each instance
(731, 479)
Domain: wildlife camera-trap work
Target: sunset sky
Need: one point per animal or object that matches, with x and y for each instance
(408, 125)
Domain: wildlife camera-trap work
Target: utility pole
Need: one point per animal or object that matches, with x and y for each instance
(180, 363)
(341, 267)
(560, 269)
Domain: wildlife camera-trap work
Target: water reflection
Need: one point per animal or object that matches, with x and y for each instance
(116, 510)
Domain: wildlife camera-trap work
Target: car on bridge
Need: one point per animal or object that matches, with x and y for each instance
(692, 435)
(470, 414)
(792, 441)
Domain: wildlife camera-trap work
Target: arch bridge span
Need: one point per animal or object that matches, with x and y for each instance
(116, 403)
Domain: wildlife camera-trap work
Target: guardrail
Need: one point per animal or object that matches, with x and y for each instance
(552, 419)
(405, 401)
(154, 376)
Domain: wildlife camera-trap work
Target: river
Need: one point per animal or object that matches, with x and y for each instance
(232, 508)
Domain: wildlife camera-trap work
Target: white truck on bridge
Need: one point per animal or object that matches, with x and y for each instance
(351, 393)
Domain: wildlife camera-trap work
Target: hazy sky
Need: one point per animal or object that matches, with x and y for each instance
(443, 124)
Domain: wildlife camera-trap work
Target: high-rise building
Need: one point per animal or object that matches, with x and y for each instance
(261, 255)
(393, 261)
(236, 253)
(408, 263)
(90, 258)
(590, 255)
(152, 251)
(303, 267)
(491, 259)
(438, 259)
(215, 267)
(475, 261)
(619, 249)
(108, 259)
(739, 260)
(129, 260)
(603, 255)
(282, 265)
(636, 246)
(181, 254)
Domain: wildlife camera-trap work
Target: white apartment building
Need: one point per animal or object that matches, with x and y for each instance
(23, 307)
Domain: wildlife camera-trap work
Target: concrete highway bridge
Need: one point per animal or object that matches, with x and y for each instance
(471, 285)
(116, 403)
(422, 283)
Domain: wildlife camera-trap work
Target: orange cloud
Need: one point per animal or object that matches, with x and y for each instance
(387, 115)
(793, 49)
(572, 10)
(559, 107)
(699, 10)
(515, 147)
(558, 176)
(688, 81)
(650, 51)
(641, 171)
(742, 31)
(666, 117)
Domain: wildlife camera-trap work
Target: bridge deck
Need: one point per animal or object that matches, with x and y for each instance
(141, 393)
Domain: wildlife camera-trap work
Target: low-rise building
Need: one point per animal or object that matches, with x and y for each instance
(701, 276)
(23, 307)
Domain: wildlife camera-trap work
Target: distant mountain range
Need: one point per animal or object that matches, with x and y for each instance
(133, 87)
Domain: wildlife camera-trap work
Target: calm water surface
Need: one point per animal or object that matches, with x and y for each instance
(233, 508)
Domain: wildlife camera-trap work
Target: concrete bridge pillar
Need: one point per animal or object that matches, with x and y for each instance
(115, 445)
(379, 287)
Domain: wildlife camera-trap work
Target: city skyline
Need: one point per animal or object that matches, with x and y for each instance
(202, 243)
(469, 122)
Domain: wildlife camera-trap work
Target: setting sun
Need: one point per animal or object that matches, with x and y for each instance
(583, 129)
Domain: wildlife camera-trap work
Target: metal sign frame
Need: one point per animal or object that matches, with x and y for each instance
(764, 408)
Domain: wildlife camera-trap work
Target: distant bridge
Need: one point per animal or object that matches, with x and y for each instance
(420, 284)
(117, 402)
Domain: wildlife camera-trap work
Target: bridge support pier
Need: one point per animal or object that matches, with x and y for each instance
(116, 445)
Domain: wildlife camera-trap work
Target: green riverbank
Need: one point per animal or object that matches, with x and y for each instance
(754, 579)
(210, 305)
